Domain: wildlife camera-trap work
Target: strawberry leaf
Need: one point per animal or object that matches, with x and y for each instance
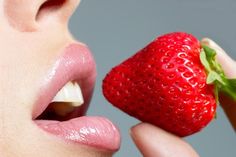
(216, 74)
(213, 76)
(210, 53)
(204, 61)
(232, 82)
(210, 56)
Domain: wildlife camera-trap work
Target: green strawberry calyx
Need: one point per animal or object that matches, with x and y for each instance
(216, 74)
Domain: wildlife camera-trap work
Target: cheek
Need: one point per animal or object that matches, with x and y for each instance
(23, 63)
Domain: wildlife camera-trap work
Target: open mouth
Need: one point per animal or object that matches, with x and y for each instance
(64, 99)
(67, 101)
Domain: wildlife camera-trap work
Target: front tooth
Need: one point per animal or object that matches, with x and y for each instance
(70, 93)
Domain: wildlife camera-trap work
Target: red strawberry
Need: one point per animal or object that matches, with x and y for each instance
(165, 84)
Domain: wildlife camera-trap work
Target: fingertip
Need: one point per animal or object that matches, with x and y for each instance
(155, 142)
(140, 134)
(205, 41)
(135, 130)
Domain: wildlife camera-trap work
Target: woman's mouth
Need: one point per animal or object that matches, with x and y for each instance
(64, 98)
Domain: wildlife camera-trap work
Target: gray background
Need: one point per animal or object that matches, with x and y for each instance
(115, 29)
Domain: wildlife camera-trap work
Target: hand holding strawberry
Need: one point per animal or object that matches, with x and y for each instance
(172, 83)
(150, 139)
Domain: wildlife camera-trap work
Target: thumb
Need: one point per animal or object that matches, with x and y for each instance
(228, 65)
(154, 142)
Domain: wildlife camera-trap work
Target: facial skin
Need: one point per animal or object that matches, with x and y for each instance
(30, 40)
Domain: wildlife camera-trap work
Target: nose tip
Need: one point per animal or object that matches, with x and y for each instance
(28, 15)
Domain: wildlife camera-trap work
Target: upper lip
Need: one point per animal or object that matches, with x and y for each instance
(69, 66)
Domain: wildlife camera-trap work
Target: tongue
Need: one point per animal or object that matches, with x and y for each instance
(92, 131)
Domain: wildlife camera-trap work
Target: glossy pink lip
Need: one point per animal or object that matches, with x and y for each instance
(76, 64)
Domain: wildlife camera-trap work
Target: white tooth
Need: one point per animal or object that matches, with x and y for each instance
(70, 93)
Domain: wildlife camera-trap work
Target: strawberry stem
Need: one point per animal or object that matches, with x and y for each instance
(216, 74)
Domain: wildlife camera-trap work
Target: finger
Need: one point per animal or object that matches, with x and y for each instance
(154, 142)
(228, 65)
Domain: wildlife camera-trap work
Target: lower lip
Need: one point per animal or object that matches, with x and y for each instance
(94, 132)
